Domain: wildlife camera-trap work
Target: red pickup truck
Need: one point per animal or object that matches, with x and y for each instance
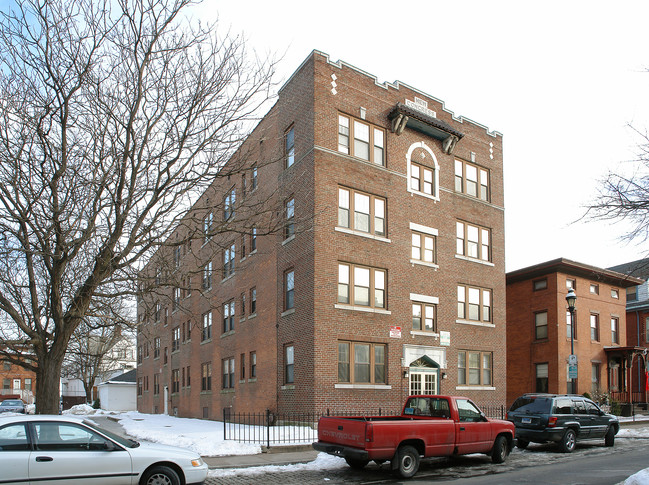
(428, 426)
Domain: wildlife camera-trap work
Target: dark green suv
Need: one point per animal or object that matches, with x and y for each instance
(563, 419)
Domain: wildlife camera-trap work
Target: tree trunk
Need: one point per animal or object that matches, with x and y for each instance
(48, 384)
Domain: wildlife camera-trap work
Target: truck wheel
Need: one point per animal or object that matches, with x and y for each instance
(568, 442)
(356, 463)
(522, 444)
(609, 439)
(408, 461)
(500, 450)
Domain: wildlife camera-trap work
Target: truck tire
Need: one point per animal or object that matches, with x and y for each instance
(568, 441)
(356, 463)
(500, 450)
(522, 444)
(407, 461)
(609, 439)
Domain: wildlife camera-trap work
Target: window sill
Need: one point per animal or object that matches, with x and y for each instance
(206, 341)
(424, 334)
(288, 312)
(363, 386)
(476, 324)
(475, 260)
(424, 263)
(422, 194)
(252, 316)
(229, 277)
(288, 240)
(474, 388)
(242, 381)
(253, 379)
(288, 387)
(206, 393)
(362, 234)
(366, 309)
(227, 391)
(227, 334)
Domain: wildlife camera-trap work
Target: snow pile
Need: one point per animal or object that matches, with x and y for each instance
(322, 462)
(86, 410)
(202, 436)
(640, 478)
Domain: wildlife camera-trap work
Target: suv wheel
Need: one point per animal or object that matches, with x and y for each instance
(568, 442)
(609, 439)
(522, 444)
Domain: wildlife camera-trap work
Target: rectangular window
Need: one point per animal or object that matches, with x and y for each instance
(473, 303)
(542, 377)
(189, 378)
(361, 212)
(206, 376)
(422, 179)
(207, 327)
(177, 255)
(207, 227)
(571, 284)
(594, 289)
(289, 289)
(289, 364)
(28, 384)
(207, 276)
(541, 325)
(175, 381)
(594, 327)
(253, 301)
(175, 304)
(368, 140)
(471, 180)
(156, 384)
(228, 373)
(156, 348)
(361, 285)
(243, 305)
(175, 339)
(423, 317)
(473, 241)
(289, 212)
(424, 247)
(569, 327)
(228, 261)
(253, 184)
(228, 316)
(475, 368)
(242, 366)
(594, 378)
(615, 330)
(361, 363)
(632, 293)
(253, 365)
(139, 386)
(540, 284)
(253, 240)
(615, 293)
(289, 147)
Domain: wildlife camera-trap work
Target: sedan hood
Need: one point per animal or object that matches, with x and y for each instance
(162, 450)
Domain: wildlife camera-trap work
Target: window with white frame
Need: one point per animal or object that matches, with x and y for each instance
(361, 139)
(207, 227)
(289, 147)
(289, 214)
(474, 368)
(207, 276)
(473, 304)
(289, 364)
(362, 363)
(228, 204)
(473, 241)
(594, 326)
(228, 316)
(206, 332)
(289, 289)
(228, 261)
(615, 330)
(471, 180)
(228, 373)
(361, 285)
(361, 212)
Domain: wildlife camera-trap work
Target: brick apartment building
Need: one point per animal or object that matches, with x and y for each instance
(386, 279)
(637, 324)
(17, 382)
(539, 327)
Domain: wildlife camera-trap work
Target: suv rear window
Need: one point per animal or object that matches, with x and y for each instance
(532, 404)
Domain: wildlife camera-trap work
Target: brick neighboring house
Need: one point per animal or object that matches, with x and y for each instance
(387, 279)
(539, 326)
(17, 382)
(637, 323)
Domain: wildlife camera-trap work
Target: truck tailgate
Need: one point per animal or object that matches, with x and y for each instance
(342, 431)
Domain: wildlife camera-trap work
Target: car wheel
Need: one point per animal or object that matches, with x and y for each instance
(522, 444)
(500, 450)
(568, 442)
(609, 439)
(356, 463)
(160, 475)
(407, 461)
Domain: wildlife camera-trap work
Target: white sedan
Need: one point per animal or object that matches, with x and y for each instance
(61, 449)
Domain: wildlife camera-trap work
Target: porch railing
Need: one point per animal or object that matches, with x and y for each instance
(623, 396)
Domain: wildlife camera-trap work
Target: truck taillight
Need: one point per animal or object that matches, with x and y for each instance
(552, 421)
(369, 432)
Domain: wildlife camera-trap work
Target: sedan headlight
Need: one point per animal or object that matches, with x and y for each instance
(198, 462)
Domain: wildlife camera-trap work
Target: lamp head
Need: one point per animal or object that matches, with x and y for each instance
(571, 298)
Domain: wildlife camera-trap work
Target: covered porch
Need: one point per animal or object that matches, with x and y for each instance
(627, 378)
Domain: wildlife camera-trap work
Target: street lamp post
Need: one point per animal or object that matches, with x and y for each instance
(571, 298)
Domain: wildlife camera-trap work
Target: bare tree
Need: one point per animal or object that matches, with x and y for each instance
(115, 114)
(623, 196)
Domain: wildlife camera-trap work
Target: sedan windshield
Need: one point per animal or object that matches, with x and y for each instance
(11, 403)
(113, 436)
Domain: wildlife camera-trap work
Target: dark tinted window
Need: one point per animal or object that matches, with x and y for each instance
(591, 408)
(579, 407)
(532, 404)
(563, 406)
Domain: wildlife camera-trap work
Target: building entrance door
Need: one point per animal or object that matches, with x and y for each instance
(424, 376)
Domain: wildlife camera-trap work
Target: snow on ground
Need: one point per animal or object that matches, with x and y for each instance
(207, 438)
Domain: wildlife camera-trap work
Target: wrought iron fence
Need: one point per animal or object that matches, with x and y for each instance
(299, 428)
